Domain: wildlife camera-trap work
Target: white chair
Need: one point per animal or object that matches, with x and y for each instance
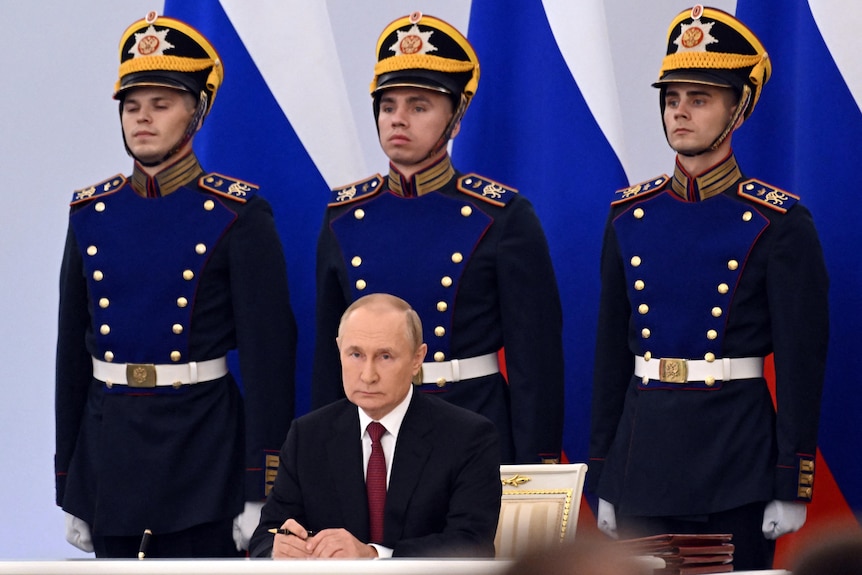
(540, 506)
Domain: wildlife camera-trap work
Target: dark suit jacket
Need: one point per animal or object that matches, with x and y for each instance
(444, 490)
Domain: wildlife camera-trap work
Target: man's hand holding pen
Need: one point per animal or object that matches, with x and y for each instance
(293, 541)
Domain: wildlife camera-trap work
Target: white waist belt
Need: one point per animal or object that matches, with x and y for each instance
(440, 372)
(672, 370)
(151, 375)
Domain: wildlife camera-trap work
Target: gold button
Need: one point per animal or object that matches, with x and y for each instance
(711, 334)
(188, 275)
(439, 331)
(361, 284)
(732, 265)
(109, 356)
(643, 309)
(647, 355)
(442, 306)
(723, 289)
(457, 257)
(446, 281)
(636, 261)
(645, 333)
(104, 302)
(716, 312)
(176, 356)
(638, 213)
(441, 382)
(439, 356)
(201, 249)
(209, 205)
(100, 206)
(356, 261)
(92, 250)
(746, 217)
(709, 381)
(645, 380)
(709, 357)
(98, 275)
(639, 285)
(466, 211)
(177, 328)
(359, 214)
(182, 302)
(105, 329)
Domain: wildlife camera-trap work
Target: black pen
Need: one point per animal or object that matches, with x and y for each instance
(145, 540)
(282, 531)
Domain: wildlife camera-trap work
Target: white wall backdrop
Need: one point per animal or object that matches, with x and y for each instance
(60, 131)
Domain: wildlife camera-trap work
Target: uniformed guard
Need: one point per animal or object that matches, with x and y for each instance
(704, 274)
(165, 272)
(467, 252)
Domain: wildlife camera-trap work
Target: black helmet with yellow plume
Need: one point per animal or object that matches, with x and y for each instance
(162, 51)
(422, 51)
(709, 46)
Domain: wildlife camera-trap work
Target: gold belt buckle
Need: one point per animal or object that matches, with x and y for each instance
(141, 375)
(672, 370)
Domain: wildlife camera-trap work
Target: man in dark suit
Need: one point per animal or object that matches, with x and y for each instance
(441, 461)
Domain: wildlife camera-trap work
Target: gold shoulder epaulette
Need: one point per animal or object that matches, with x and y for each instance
(485, 189)
(639, 190)
(228, 187)
(766, 195)
(104, 187)
(356, 191)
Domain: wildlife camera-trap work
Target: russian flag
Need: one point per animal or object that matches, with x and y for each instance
(531, 127)
(804, 137)
(253, 134)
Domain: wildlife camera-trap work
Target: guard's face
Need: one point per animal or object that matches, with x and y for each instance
(378, 361)
(410, 123)
(154, 120)
(695, 115)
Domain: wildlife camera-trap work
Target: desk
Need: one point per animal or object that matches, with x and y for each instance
(255, 567)
(267, 566)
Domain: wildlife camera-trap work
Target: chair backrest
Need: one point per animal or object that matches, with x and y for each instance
(540, 506)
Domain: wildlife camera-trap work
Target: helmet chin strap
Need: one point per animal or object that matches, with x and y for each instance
(450, 127)
(191, 130)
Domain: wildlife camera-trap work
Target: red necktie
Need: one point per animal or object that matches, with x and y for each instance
(375, 483)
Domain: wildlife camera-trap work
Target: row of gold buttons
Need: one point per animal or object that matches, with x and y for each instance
(182, 302)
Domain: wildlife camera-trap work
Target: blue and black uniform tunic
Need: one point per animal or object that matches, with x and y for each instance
(701, 279)
(173, 270)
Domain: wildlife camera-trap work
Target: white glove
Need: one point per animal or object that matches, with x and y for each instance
(607, 519)
(245, 523)
(78, 533)
(783, 517)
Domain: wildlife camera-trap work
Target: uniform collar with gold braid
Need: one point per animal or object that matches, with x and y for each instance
(181, 172)
(430, 179)
(708, 184)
